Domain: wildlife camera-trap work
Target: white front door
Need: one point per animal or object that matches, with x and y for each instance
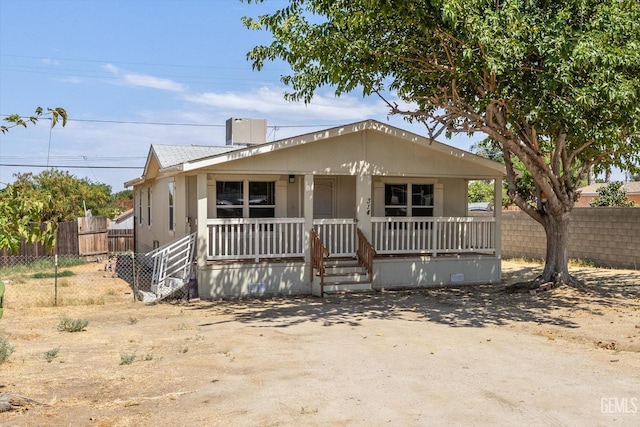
(323, 198)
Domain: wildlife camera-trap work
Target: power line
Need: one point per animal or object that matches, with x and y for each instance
(128, 122)
(69, 166)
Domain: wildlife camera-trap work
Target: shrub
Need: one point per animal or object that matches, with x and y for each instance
(49, 355)
(6, 349)
(127, 358)
(72, 325)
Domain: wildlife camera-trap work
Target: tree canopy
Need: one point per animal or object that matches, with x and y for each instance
(555, 83)
(69, 195)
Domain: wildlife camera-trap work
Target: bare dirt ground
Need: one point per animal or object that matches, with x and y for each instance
(464, 356)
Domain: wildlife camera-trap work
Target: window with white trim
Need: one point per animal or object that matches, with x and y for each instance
(149, 206)
(408, 200)
(172, 222)
(232, 203)
(140, 208)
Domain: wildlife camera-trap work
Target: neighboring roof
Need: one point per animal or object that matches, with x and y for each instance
(124, 215)
(191, 157)
(631, 187)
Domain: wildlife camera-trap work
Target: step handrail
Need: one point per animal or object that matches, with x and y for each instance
(319, 253)
(366, 252)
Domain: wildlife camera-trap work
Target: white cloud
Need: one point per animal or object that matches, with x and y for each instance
(144, 80)
(271, 102)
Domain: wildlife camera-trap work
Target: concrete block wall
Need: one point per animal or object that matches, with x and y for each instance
(608, 237)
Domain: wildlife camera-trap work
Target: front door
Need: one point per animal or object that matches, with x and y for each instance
(323, 198)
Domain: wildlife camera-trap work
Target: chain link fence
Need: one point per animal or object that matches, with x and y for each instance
(58, 281)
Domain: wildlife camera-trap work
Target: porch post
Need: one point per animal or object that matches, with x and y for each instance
(497, 214)
(363, 202)
(201, 220)
(307, 209)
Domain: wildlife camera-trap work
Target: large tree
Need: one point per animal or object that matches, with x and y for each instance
(555, 83)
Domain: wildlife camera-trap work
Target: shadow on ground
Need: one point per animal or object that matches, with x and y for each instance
(470, 306)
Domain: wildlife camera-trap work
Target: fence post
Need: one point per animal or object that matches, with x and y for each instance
(133, 273)
(55, 280)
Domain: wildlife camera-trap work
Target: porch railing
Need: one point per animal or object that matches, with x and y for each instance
(255, 238)
(397, 235)
(339, 235)
(172, 265)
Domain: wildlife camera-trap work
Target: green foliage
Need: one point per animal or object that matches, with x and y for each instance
(127, 358)
(68, 194)
(45, 275)
(480, 191)
(612, 194)
(22, 217)
(51, 354)
(6, 349)
(72, 325)
(17, 120)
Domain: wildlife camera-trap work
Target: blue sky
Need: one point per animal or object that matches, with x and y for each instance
(131, 73)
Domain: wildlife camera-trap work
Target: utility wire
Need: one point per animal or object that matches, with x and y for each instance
(275, 127)
(70, 166)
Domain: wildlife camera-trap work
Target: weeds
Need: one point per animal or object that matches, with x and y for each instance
(132, 320)
(49, 355)
(6, 349)
(72, 325)
(46, 275)
(127, 358)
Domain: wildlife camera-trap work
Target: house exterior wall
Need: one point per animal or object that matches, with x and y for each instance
(609, 237)
(159, 233)
(426, 271)
(232, 280)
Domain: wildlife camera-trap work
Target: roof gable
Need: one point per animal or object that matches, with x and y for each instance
(189, 158)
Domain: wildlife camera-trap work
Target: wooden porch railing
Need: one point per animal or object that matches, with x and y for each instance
(255, 238)
(365, 254)
(411, 235)
(318, 254)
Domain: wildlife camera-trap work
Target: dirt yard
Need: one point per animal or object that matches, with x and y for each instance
(466, 356)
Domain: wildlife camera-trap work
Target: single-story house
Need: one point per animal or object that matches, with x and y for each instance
(360, 206)
(590, 192)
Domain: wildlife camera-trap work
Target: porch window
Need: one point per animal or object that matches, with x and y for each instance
(395, 200)
(232, 203)
(171, 205)
(229, 199)
(398, 203)
(262, 199)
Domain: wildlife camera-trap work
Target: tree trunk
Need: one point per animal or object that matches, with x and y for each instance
(556, 267)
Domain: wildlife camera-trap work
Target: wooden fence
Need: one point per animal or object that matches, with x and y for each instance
(83, 237)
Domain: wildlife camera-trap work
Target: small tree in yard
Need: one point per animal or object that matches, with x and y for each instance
(555, 84)
(21, 217)
(612, 194)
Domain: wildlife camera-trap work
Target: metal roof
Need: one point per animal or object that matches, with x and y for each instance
(171, 155)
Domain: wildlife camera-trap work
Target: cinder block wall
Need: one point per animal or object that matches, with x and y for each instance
(609, 237)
